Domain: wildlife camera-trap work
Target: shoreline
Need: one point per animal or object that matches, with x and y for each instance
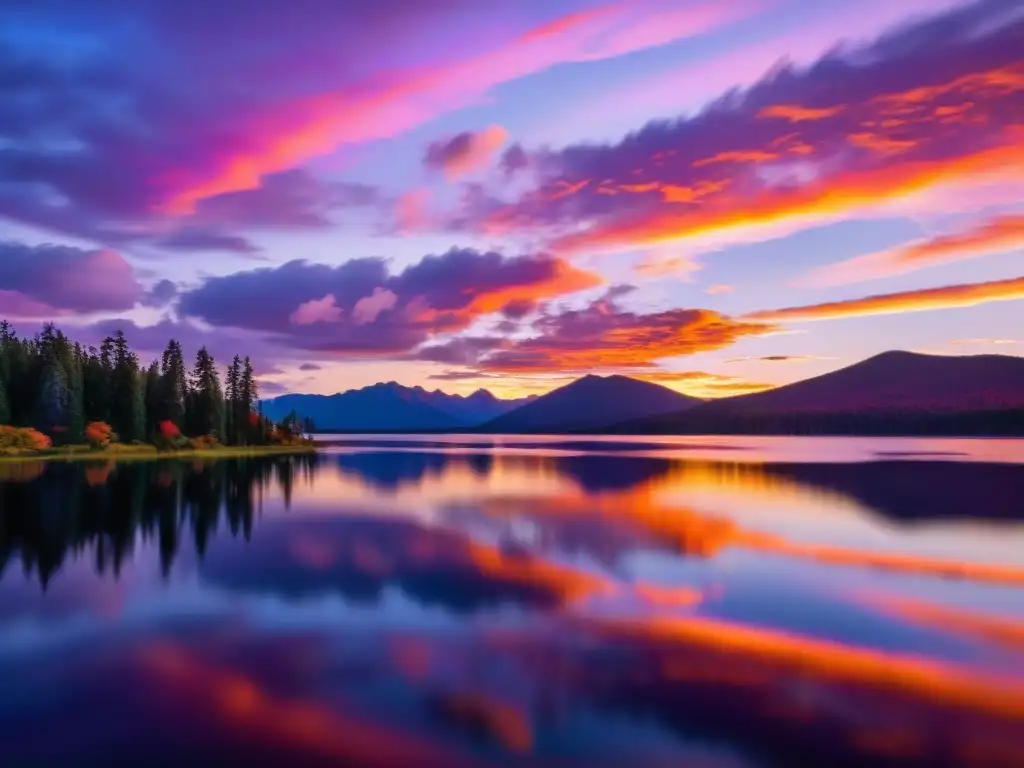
(230, 452)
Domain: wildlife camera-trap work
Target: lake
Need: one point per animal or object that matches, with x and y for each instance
(469, 600)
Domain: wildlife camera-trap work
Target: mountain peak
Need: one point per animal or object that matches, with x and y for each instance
(591, 403)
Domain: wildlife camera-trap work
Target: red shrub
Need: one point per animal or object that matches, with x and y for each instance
(98, 434)
(254, 419)
(169, 430)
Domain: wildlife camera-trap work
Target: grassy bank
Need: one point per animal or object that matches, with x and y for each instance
(150, 453)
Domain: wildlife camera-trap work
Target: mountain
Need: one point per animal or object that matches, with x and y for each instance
(891, 393)
(589, 404)
(391, 407)
(474, 409)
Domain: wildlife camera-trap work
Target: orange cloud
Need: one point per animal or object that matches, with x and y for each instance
(946, 297)
(565, 279)
(794, 113)
(1003, 233)
(604, 337)
(826, 198)
(748, 156)
(719, 288)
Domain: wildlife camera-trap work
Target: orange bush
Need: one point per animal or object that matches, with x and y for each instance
(98, 434)
(23, 440)
(205, 441)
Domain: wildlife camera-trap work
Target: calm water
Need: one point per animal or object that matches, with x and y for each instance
(520, 601)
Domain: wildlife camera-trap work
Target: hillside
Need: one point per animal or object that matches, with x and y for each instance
(391, 407)
(590, 404)
(891, 393)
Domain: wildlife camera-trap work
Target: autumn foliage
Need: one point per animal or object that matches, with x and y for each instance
(99, 434)
(169, 430)
(14, 440)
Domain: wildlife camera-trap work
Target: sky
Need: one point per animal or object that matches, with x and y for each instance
(715, 196)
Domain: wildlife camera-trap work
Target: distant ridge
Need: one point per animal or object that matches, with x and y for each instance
(891, 393)
(591, 403)
(391, 407)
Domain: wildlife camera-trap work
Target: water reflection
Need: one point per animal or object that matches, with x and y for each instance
(410, 607)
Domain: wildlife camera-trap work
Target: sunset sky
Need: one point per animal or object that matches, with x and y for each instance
(716, 195)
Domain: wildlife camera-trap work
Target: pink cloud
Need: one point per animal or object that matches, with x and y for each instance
(367, 308)
(466, 152)
(718, 288)
(411, 214)
(288, 134)
(323, 310)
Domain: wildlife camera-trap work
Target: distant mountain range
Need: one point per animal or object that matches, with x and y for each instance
(591, 404)
(892, 393)
(391, 407)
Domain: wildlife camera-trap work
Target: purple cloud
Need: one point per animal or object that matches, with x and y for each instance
(294, 199)
(67, 279)
(360, 307)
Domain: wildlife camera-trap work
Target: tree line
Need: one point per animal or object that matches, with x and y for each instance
(58, 387)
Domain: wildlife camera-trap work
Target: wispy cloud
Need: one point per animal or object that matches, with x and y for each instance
(946, 297)
(998, 235)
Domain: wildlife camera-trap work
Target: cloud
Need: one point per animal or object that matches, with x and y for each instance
(369, 307)
(603, 335)
(465, 152)
(412, 211)
(987, 342)
(946, 297)
(930, 105)
(998, 235)
(199, 239)
(718, 289)
(105, 143)
(293, 131)
(292, 199)
(323, 310)
(514, 159)
(310, 367)
(161, 294)
(57, 279)
(778, 359)
(399, 311)
(680, 266)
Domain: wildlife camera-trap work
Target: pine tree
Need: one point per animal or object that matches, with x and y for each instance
(138, 432)
(76, 401)
(5, 408)
(207, 397)
(248, 395)
(127, 416)
(53, 398)
(174, 383)
(154, 395)
(235, 421)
